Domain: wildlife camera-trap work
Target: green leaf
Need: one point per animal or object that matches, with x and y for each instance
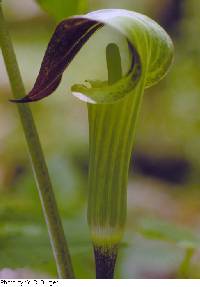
(61, 9)
(156, 229)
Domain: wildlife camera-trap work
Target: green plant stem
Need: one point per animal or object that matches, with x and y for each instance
(183, 271)
(104, 212)
(50, 210)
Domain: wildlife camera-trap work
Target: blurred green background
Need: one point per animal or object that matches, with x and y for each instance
(163, 195)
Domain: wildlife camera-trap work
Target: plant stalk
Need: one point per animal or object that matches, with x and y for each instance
(183, 271)
(49, 206)
(112, 133)
(102, 207)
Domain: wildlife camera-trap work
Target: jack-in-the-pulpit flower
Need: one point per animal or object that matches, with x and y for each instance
(113, 107)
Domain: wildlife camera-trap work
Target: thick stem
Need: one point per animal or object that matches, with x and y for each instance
(105, 259)
(183, 271)
(109, 158)
(50, 210)
(112, 132)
